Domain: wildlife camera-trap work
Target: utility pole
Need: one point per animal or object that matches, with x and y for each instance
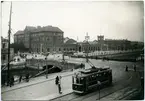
(63, 53)
(9, 32)
(87, 44)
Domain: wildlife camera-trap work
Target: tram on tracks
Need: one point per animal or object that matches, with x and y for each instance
(88, 79)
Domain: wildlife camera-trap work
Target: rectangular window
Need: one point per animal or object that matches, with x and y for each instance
(3, 57)
(3, 45)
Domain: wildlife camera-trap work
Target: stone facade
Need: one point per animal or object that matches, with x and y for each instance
(70, 45)
(118, 44)
(42, 39)
(4, 51)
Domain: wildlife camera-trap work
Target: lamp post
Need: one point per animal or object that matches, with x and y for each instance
(99, 85)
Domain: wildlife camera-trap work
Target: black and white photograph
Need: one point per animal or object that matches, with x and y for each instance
(72, 50)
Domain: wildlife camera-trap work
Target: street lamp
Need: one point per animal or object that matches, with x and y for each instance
(99, 85)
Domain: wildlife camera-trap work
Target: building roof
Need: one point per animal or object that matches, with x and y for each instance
(91, 42)
(116, 40)
(4, 39)
(45, 28)
(33, 29)
(69, 41)
(19, 32)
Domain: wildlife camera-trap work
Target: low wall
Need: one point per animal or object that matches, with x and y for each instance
(39, 63)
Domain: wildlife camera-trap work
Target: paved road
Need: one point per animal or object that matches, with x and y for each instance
(40, 90)
(105, 92)
(123, 83)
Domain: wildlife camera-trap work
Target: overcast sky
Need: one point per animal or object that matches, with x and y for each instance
(114, 20)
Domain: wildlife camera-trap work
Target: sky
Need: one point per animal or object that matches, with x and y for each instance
(114, 20)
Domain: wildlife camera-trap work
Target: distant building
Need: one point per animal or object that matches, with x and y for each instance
(4, 51)
(41, 39)
(70, 45)
(19, 37)
(123, 44)
(91, 46)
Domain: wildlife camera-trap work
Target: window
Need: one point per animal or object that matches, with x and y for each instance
(59, 49)
(3, 45)
(3, 57)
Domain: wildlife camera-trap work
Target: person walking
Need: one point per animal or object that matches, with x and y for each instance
(126, 69)
(59, 85)
(134, 68)
(46, 72)
(20, 78)
(11, 81)
(56, 80)
(27, 77)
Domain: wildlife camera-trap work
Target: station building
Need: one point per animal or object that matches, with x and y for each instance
(51, 39)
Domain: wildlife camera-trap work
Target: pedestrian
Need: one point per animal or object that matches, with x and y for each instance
(134, 68)
(11, 81)
(27, 77)
(20, 78)
(126, 69)
(59, 85)
(142, 82)
(56, 80)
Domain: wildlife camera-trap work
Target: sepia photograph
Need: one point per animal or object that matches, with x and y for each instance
(72, 50)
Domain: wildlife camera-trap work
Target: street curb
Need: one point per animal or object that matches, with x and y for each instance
(33, 84)
(61, 96)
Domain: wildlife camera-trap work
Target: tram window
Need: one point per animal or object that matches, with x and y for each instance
(81, 80)
(77, 80)
(74, 79)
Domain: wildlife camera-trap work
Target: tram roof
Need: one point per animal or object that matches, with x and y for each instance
(91, 71)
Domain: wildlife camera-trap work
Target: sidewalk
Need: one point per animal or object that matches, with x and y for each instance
(55, 95)
(39, 88)
(34, 81)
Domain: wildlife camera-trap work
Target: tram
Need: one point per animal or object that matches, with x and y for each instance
(87, 79)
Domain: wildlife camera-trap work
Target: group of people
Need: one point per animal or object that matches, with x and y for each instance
(58, 82)
(134, 67)
(11, 81)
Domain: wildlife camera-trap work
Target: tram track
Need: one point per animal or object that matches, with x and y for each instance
(96, 93)
(120, 85)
